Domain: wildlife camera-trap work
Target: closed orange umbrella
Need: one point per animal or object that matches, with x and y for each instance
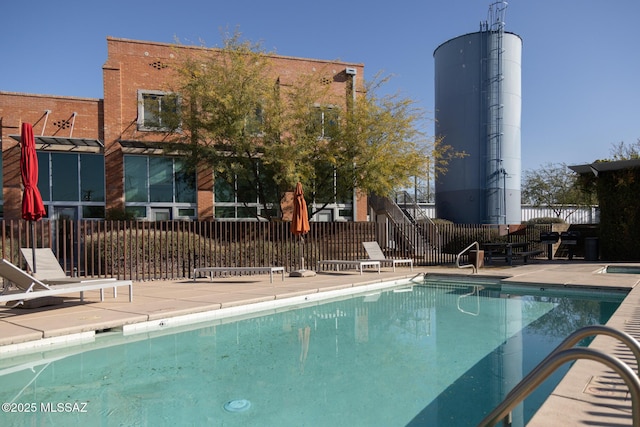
(300, 221)
(300, 227)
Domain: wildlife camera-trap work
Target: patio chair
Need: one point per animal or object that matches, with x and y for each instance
(47, 265)
(375, 254)
(30, 287)
(360, 265)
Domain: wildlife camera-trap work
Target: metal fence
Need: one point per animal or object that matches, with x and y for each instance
(140, 250)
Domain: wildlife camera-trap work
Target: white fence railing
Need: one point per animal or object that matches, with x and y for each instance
(571, 214)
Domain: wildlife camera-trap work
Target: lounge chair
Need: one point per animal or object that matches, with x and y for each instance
(30, 287)
(359, 264)
(48, 268)
(375, 254)
(47, 265)
(213, 270)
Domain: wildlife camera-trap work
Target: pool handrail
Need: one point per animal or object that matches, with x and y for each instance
(590, 330)
(549, 366)
(475, 268)
(557, 358)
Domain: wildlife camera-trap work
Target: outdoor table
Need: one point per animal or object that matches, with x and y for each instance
(506, 248)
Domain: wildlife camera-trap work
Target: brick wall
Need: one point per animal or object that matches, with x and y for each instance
(18, 108)
(130, 66)
(138, 65)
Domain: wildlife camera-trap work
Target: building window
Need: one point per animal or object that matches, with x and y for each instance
(65, 186)
(135, 179)
(254, 124)
(157, 110)
(158, 183)
(324, 122)
(332, 185)
(160, 179)
(91, 178)
(72, 180)
(239, 200)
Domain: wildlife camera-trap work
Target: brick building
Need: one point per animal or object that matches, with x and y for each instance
(99, 155)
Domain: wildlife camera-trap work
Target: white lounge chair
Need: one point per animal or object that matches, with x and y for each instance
(48, 268)
(213, 270)
(30, 287)
(47, 265)
(360, 265)
(375, 254)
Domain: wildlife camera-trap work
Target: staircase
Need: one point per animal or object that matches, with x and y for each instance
(407, 223)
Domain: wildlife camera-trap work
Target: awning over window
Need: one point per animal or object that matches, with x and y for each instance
(57, 143)
(144, 147)
(140, 147)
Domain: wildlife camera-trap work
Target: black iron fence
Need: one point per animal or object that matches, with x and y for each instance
(171, 249)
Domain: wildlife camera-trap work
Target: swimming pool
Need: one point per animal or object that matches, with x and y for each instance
(622, 269)
(419, 354)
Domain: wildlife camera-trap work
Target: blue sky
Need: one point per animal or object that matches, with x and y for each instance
(580, 61)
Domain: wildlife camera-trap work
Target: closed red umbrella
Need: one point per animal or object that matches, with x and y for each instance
(32, 206)
(300, 227)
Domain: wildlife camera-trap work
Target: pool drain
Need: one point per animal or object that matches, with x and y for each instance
(238, 405)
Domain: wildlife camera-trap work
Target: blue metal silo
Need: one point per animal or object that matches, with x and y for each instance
(478, 107)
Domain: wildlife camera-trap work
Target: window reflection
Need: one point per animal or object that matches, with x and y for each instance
(43, 176)
(160, 182)
(185, 184)
(92, 178)
(75, 178)
(160, 179)
(135, 179)
(64, 170)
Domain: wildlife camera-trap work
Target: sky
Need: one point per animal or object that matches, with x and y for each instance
(580, 58)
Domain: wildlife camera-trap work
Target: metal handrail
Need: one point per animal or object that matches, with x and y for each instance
(475, 269)
(524, 388)
(561, 354)
(590, 330)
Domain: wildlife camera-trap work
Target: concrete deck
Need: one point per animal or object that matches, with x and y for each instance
(590, 394)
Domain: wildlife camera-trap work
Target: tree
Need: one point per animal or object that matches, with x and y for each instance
(622, 151)
(379, 145)
(261, 136)
(619, 151)
(555, 186)
(617, 187)
(225, 97)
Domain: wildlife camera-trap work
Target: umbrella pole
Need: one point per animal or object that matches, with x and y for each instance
(302, 272)
(33, 245)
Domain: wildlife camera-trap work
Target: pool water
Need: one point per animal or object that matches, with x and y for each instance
(437, 354)
(622, 269)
